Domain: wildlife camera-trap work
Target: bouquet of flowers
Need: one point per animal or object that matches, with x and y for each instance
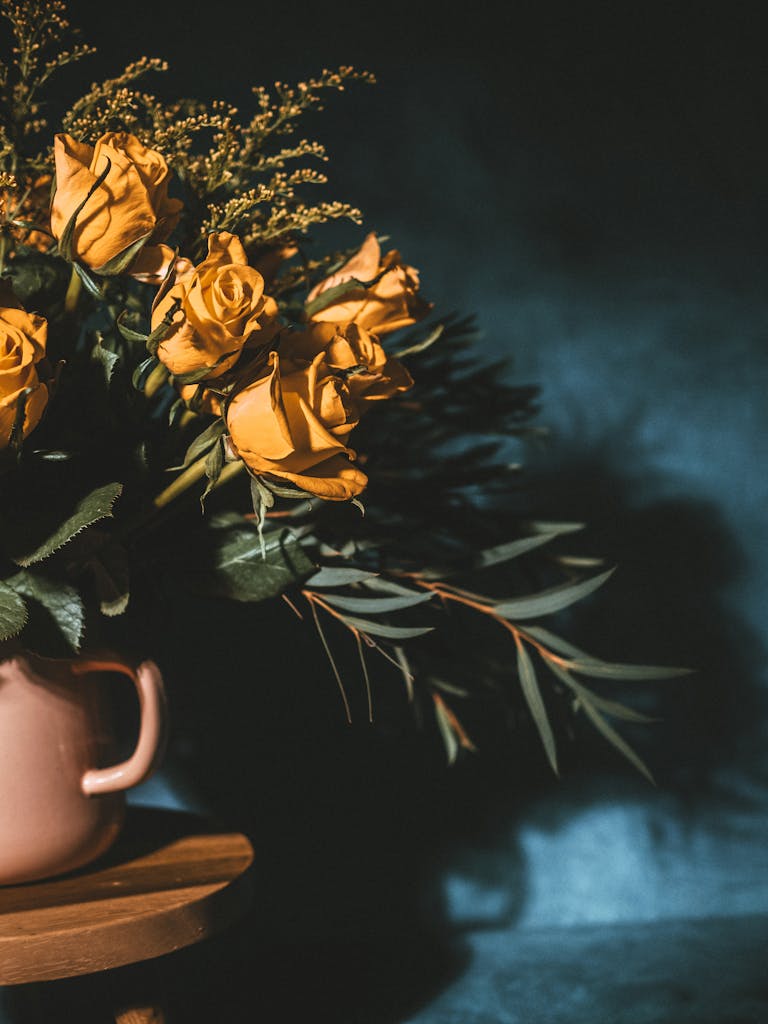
(196, 397)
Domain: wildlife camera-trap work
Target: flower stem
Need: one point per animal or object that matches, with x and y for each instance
(190, 476)
(73, 292)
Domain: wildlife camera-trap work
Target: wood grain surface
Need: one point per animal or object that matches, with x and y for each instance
(169, 881)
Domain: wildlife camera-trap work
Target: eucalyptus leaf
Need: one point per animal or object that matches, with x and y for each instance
(421, 346)
(13, 613)
(616, 740)
(32, 542)
(530, 687)
(547, 602)
(329, 576)
(610, 707)
(587, 665)
(383, 629)
(372, 605)
(447, 734)
(511, 549)
(61, 603)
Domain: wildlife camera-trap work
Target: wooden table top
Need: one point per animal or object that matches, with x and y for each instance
(169, 881)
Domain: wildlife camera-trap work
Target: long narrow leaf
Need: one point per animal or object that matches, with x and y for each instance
(371, 605)
(532, 694)
(328, 576)
(547, 602)
(385, 630)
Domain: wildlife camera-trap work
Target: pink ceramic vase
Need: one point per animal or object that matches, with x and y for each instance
(61, 794)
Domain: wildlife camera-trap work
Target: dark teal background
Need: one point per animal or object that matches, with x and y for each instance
(590, 180)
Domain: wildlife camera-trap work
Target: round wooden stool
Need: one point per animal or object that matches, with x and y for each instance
(169, 881)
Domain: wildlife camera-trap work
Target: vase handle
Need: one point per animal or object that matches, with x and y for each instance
(152, 728)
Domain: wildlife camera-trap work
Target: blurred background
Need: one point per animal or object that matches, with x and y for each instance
(589, 180)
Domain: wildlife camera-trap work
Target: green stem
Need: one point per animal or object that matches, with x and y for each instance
(73, 292)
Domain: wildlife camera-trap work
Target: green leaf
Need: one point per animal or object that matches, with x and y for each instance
(339, 291)
(142, 371)
(450, 742)
(120, 263)
(90, 285)
(590, 702)
(555, 527)
(60, 602)
(421, 346)
(383, 629)
(512, 549)
(615, 739)
(205, 440)
(34, 543)
(13, 613)
(329, 576)
(195, 376)
(532, 694)
(65, 242)
(547, 602)
(127, 332)
(587, 665)
(610, 707)
(372, 605)
(107, 359)
(214, 464)
(242, 573)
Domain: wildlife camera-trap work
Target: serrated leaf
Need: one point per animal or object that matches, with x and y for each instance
(383, 629)
(243, 572)
(530, 687)
(547, 602)
(107, 359)
(13, 613)
(372, 605)
(61, 602)
(329, 576)
(31, 547)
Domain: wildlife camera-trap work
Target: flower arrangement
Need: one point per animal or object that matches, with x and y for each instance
(195, 397)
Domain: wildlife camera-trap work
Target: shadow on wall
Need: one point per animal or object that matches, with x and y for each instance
(355, 827)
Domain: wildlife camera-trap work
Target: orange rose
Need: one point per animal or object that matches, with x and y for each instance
(294, 427)
(391, 303)
(122, 224)
(22, 345)
(206, 401)
(221, 308)
(352, 352)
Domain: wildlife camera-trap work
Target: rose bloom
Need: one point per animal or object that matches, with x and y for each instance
(293, 423)
(351, 351)
(130, 211)
(393, 302)
(222, 308)
(23, 339)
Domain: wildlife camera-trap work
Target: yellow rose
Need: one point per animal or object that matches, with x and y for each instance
(128, 215)
(391, 303)
(294, 427)
(352, 352)
(221, 309)
(201, 400)
(22, 345)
